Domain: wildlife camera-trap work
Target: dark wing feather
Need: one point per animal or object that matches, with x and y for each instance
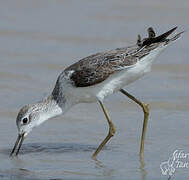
(157, 39)
(96, 68)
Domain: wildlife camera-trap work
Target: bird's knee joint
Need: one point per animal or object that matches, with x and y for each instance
(112, 131)
(146, 108)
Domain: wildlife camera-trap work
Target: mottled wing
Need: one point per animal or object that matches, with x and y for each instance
(90, 76)
(96, 68)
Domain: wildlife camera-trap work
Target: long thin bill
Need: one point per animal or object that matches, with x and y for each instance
(17, 141)
(20, 139)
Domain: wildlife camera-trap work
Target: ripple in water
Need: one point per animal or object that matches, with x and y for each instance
(53, 148)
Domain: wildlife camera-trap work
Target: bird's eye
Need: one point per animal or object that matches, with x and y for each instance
(25, 120)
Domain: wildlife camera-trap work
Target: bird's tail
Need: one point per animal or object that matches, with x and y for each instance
(162, 38)
(175, 37)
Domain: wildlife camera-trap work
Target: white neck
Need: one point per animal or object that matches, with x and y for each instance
(49, 108)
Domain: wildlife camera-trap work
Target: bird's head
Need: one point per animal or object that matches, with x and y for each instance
(33, 115)
(28, 118)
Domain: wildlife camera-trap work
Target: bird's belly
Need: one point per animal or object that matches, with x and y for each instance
(120, 79)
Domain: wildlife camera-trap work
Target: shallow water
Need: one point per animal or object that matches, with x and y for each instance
(39, 38)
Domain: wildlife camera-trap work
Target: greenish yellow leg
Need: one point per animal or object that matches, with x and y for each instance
(111, 133)
(145, 108)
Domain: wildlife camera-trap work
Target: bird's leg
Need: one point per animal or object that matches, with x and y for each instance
(145, 108)
(111, 133)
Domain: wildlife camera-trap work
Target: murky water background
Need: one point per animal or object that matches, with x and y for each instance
(39, 38)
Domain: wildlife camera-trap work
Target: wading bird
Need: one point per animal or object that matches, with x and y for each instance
(92, 79)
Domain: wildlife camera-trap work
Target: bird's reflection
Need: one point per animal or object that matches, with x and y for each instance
(106, 170)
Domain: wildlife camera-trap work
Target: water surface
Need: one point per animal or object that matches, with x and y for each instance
(39, 38)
